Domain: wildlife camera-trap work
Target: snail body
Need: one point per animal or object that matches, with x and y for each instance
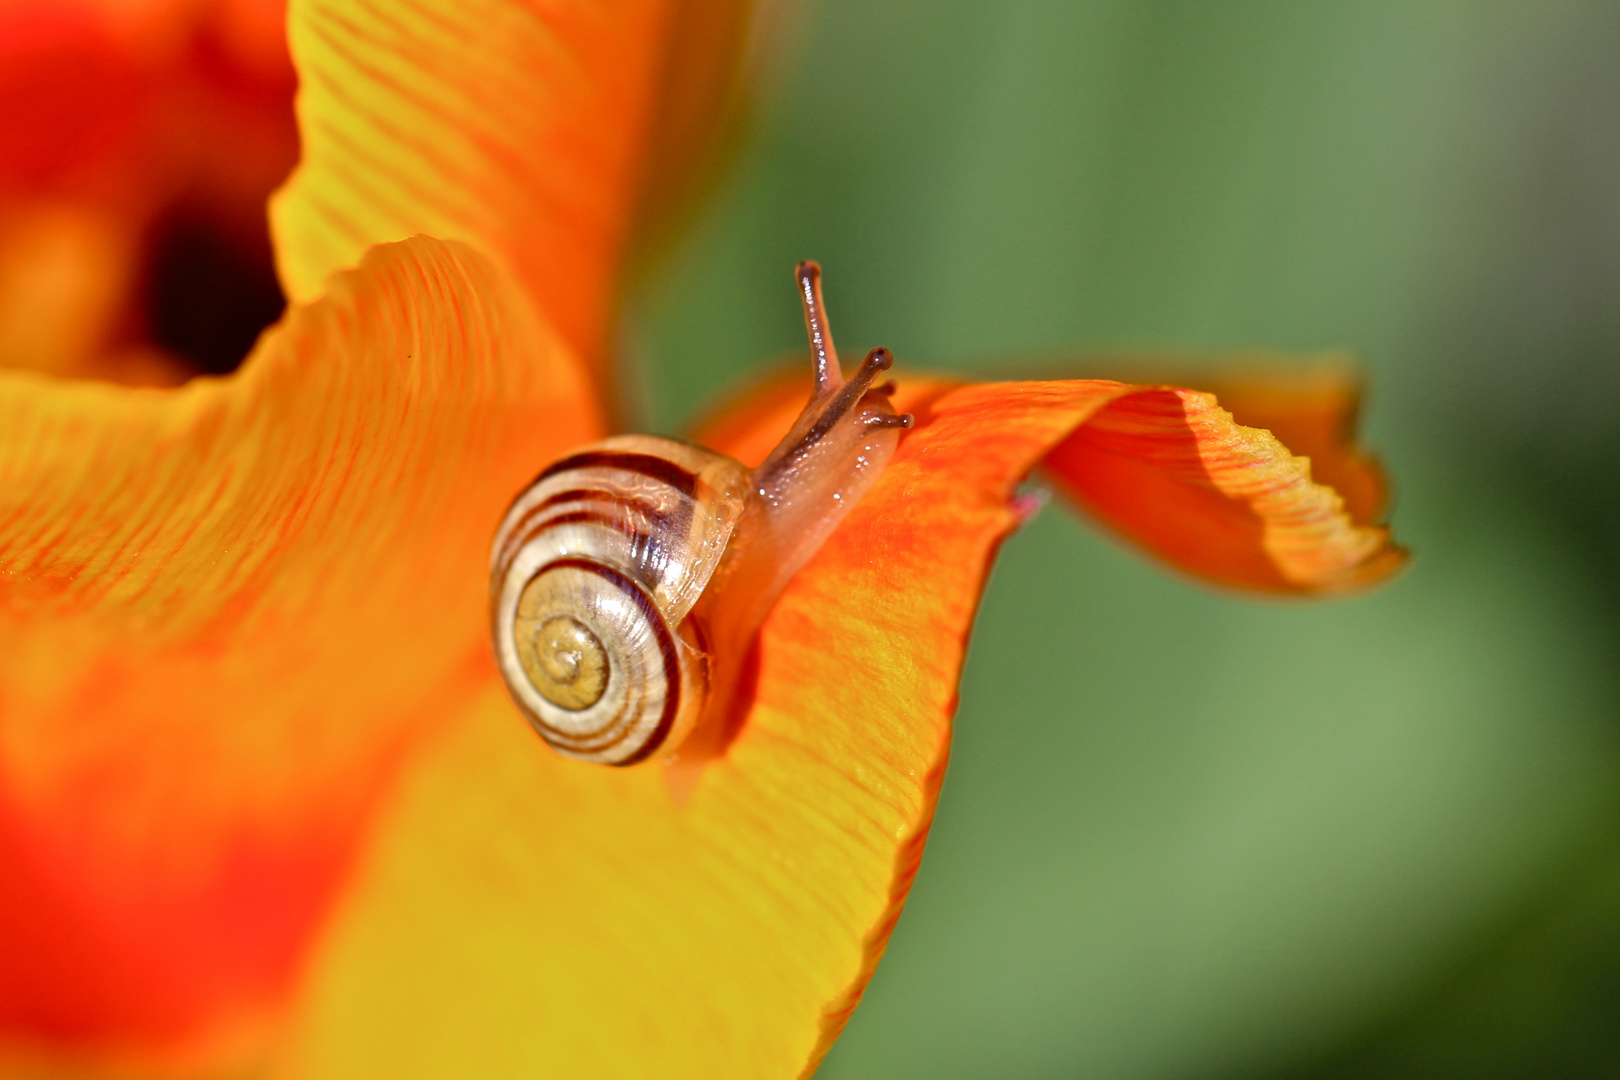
(628, 579)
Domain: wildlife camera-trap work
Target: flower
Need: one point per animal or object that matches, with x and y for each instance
(263, 803)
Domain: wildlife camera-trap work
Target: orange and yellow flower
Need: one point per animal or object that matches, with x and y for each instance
(264, 806)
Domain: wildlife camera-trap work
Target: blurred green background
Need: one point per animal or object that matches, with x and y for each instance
(1372, 838)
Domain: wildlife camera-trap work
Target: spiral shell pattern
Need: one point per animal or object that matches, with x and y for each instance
(593, 573)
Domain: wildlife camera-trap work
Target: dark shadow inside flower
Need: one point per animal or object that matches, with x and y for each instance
(207, 292)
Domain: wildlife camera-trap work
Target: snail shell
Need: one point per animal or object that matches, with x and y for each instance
(597, 565)
(627, 580)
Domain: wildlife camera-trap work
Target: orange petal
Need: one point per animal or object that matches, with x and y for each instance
(527, 915)
(225, 611)
(1170, 470)
(516, 128)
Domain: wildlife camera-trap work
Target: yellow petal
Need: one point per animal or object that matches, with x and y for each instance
(225, 613)
(525, 915)
(516, 128)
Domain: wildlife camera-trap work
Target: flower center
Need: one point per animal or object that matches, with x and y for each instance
(208, 293)
(133, 238)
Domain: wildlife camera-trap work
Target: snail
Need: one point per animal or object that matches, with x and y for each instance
(628, 580)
